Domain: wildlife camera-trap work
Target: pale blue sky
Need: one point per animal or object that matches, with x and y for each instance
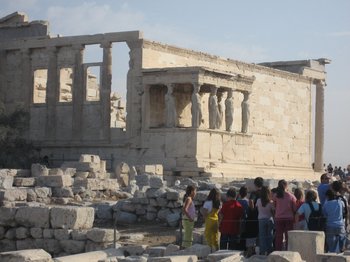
(252, 31)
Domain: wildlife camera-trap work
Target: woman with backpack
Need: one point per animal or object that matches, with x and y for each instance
(285, 206)
(312, 212)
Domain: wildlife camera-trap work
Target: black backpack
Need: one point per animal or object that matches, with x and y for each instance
(316, 221)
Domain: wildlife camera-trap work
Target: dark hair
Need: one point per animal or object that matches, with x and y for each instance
(282, 184)
(214, 196)
(337, 186)
(259, 181)
(310, 196)
(189, 190)
(231, 193)
(298, 193)
(265, 195)
(243, 191)
(330, 194)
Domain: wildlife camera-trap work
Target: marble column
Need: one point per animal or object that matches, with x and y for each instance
(196, 107)
(213, 107)
(245, 112)
(105, 91)
(229, 109)
(51, 94)
(170, 107)
(78, 93)
(27, 84)
(319, 126)
(146, 107)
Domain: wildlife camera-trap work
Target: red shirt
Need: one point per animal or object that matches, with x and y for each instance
(231, 212)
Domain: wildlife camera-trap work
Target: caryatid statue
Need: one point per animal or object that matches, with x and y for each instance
(196, 108)
(170, 114)
(229, 108)
(213, 107)
(245, 112)
(221, 110)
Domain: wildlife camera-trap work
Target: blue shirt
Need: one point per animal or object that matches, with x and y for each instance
(333, 211)
(322, 189)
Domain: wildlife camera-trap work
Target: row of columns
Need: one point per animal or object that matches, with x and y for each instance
(78, 90)
(220, 111)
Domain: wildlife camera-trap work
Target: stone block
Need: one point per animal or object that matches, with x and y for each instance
(8, 172)
(23, 173)
(82, 166)
(72, 217)
(171, 249)
(221, 254)
(6, 181)
(55, 181)
(33, 255)
(85, 158)
(7, 245)
(73, 246)
(307, 243)
(150, 169)
(69, 171)
(48, 233)
(24, 181)
(163, 213)
(91, 256)
(79, 234)
(180, 258)
(199, 250)
(7, 216)
(43, 192)
(172, 194)
(156, 182)
(11, 233)
(134, 250)
(38, 170)
(62, 234)
(162, 202)
(27, 243)
(99, 235)
(93, 246)
(33, 217)
(173, 219)
(142, 180)
(55, 172)
(201, 196)
(96, 184)
(133, 259)
(125, 217)
(156, 193)
(104, 210)
(81, 174)
(52, 246)
(14, 194)
(331, 257)
(62, 192)
(22, 232)
(36, 232)
(156, 251)
(284, 256)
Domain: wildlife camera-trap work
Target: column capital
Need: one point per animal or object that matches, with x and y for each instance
(106, 44)
(320, 83)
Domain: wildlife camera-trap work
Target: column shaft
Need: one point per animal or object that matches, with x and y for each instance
(105, 91)
(78, 93)
(51, 94)
(319, 127)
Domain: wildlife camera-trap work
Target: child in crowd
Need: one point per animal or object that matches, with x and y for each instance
(265, 210)
(244, 201)
(229, 221)
(299, 195)
(189, 213)
(210, 212)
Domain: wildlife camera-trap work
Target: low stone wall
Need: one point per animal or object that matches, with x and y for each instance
(57, 230)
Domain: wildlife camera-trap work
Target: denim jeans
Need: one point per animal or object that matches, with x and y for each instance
(231, 240)
(265, 235)
(335, 239)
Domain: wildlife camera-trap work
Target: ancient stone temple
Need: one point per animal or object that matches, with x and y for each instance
(195, 113)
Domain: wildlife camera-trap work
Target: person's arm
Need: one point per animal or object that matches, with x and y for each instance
(185, 208)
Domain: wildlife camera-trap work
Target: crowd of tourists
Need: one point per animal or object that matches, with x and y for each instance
(262, 218)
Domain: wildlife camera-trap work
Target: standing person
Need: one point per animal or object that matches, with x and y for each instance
(244, 201)
(285, 206)
(339, 190)
(323, 187)
(229, 221)
(189, 213)
(301, 223)
(305, 210)
(210, 212)
(265, 210)
(335, 226)
(252, 224)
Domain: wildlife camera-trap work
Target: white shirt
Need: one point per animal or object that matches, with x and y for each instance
(208, 205)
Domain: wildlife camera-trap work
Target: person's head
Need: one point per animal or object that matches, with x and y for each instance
(265, 195)
(325, 178)
(330, 195)
(299, 194)
(243, 191)
(258, 182)
(310, 196)
(214, 196)
(231, 193)
(337, 186)
(190, 192)
(281, 188)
